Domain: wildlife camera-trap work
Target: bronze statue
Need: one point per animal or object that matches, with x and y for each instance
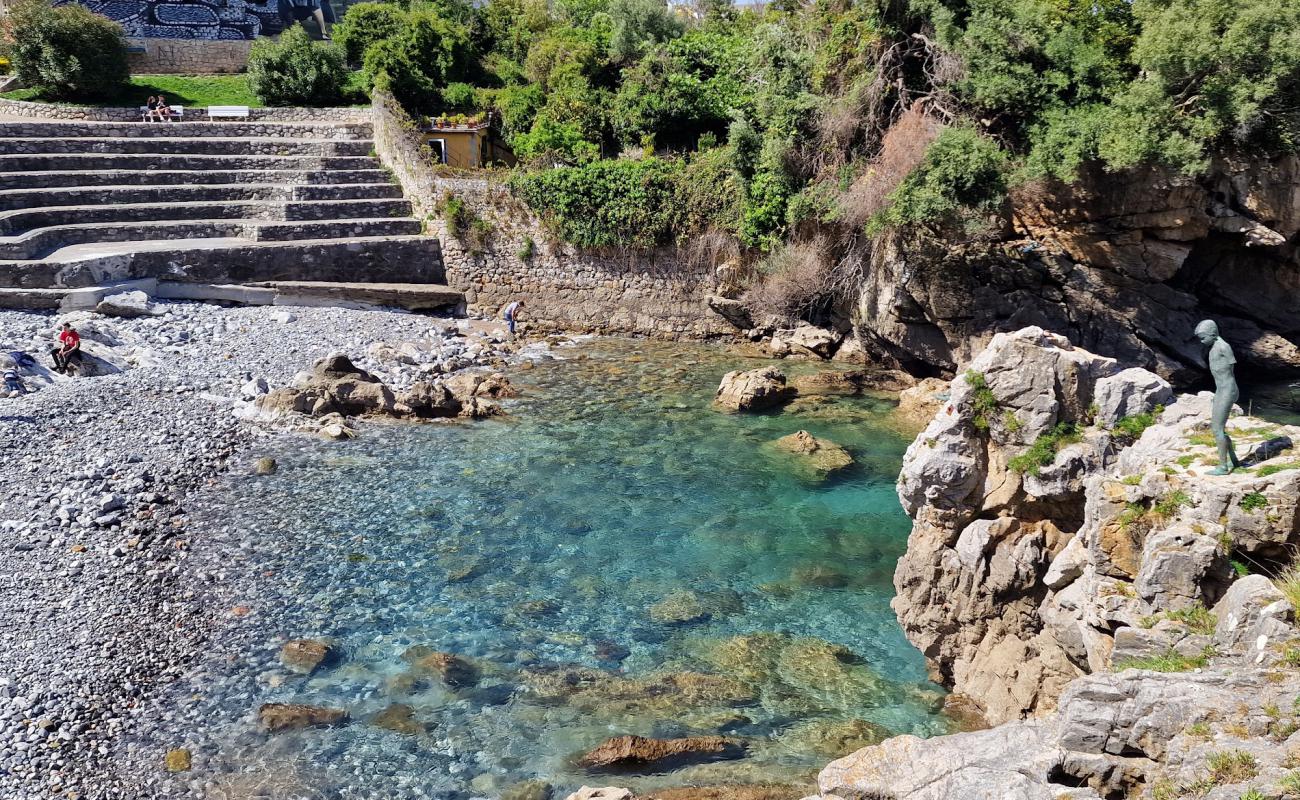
(1225, 393)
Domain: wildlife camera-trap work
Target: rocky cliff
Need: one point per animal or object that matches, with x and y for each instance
(1075, 571)
(1124, 265)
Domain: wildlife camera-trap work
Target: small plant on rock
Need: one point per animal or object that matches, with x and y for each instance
(1253, 794)
(1288, 583)
(983, 401)
(1131, 428)
(1200, 730)
(1272, 469)
(1169, 661)
(1044, 449)
(1168, 505)
(527, 249)
(1253, 501)
(1198, 618)
(1231, 766)
(1290, 783)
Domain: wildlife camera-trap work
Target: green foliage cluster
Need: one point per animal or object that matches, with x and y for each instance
(296, 71)
(420, 51)
(983, 402)
(1044, 449)
(963, 173)
(1169, 661)
(1253, 501)
(783, 107)
(67, 53)
(1132, 427)
(1231, 766)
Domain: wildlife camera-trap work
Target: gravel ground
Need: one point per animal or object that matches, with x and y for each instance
(98, 605)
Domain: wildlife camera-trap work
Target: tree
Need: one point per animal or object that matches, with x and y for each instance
(296, 71)
(638, 25)
(67, 52)
(420, 58)
(365, 24)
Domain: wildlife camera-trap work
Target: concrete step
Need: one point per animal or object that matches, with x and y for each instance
(179, 177)
(48, 242)
(14, 199)
(408, 296)
(155, 162)
(187, 145)
(14, 223)
(403, 259)
(290, 130)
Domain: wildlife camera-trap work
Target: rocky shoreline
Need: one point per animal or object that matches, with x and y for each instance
(100, 604)
(1076, 572)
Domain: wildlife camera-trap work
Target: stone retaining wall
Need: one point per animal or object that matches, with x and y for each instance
(654, 292)
(55, 111)
(189, 56)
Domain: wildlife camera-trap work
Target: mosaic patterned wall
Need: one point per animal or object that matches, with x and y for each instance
(192, 19)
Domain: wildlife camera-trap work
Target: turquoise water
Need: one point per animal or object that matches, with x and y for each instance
(538, 547)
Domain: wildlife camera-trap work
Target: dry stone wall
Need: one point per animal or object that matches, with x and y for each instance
(509, 255)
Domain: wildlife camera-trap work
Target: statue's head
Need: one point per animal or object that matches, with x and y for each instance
(1207, 331)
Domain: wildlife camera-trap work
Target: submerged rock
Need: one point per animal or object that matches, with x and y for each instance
(604, 793)
(833, 738)
(637, 752)
(265, 466)
(753, 390)
(455, 671)
(399, 718)
(304, 655)
(815, 457)
(277, 717)
(178, 760)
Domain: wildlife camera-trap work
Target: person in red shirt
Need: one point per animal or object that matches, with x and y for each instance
(68, 353)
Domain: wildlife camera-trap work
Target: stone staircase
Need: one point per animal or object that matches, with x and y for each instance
(85, 203)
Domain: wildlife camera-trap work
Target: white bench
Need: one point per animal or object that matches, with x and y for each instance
(228, 112)
(177, 113)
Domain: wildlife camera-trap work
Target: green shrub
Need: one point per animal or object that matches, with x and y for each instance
(962, 174)
(67, 52)
(367, 23)
(457, 215)
(295, 71)
(1044, 449)
(1273, 469)
(527, 249)
(606, 203)
(1197, 618)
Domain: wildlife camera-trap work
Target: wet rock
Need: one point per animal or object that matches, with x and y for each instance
(815, 457)
(852, 382)
(819, 576)
(277, 717)
(637, 752)
(613, 696)
(753, 390)
(304, 655)
(265, 466)
(399, 718)
(455, 671)
(178, 760)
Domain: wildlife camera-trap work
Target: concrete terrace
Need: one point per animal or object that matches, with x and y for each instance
(84, 203)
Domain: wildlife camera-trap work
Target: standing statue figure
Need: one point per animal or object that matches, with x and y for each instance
(1225, 393)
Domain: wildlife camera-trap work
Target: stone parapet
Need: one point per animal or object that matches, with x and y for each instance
(57, 111)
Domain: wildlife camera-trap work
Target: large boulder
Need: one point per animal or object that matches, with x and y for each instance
(127, 304)
(753, 390)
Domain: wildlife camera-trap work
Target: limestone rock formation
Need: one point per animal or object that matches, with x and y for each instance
(1122, 264)
(1068, 570)
(1040, 533)
(753, 390)
(622, 752)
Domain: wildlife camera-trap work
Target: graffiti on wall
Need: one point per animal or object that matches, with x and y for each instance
(200, 19)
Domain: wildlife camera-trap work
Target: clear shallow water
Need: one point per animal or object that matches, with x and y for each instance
(540, 547)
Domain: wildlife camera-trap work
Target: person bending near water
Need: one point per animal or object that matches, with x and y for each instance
(511, 314)
(69, 350)
(1225, 393)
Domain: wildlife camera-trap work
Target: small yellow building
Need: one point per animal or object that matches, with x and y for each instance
(466, 143)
